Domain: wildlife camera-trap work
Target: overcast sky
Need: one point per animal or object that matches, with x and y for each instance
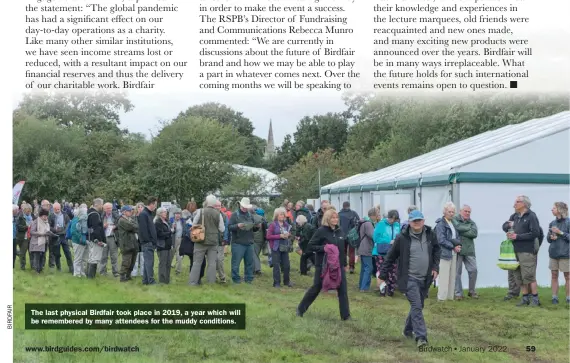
(285, 111)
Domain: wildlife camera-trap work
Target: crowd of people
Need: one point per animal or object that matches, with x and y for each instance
(89, 237)
(404, 255)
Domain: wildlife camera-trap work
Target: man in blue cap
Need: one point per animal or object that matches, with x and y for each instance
(128, 243)
(418, 252)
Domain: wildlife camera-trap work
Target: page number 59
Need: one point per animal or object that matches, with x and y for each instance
(530, 348)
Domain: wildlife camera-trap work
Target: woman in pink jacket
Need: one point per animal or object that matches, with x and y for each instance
(279, 237)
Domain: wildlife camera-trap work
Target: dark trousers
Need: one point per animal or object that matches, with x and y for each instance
(281, 262)
(314, 291)
(55, 253)
(416, 294)
(305, 258)
(128, 262)
(164, 265)
(349, 251)
(148, 266)
(242, 252)
(202, 268)
(37, 260)
(24, 245)
(365, 273)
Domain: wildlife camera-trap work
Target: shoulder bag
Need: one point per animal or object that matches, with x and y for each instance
(198, 231)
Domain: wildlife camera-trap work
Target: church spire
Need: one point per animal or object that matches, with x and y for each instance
(270, 148)
(270, 137)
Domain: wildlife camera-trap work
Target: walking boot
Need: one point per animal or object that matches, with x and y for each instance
(524, 302)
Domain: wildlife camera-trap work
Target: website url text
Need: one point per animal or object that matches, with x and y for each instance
(74, 349)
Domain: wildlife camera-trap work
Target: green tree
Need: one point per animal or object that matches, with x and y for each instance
(51, 176)
(221, 113)
(225, 115)
(320, 132)
(191, 157)
(301, 180)
(90, 165)
(93, 111)
(37, 143)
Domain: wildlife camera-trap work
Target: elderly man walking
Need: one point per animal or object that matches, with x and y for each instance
(467, 229)
(418, 252)
(210, 218)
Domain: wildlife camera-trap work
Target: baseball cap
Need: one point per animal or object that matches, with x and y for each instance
(126, 208)
(415, 215)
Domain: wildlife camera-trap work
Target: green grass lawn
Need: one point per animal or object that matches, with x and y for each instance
(275, 334)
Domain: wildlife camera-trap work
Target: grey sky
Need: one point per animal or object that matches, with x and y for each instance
(285, 110)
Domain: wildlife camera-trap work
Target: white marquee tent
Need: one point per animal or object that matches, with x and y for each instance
(268, 179)
(487, 172)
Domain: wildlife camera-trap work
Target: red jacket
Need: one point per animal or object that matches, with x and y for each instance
(227, 212)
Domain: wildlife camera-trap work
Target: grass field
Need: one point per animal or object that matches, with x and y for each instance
(275, 334)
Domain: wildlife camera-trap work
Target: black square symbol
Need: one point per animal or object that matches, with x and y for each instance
(513, 84)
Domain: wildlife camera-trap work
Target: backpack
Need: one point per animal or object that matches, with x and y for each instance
(75, 232)
(353, 237)
(507, 258)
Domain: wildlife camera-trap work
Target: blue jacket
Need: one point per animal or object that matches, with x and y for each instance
(384, 233)
(444, 234)
(560, 247)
